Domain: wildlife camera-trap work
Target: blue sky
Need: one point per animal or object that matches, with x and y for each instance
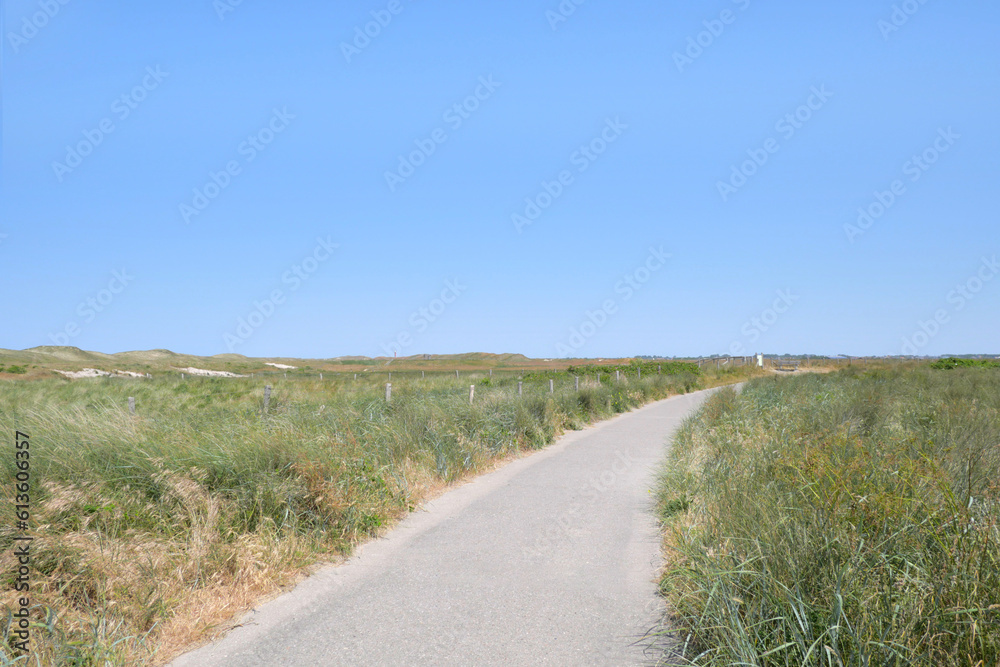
(618, 178)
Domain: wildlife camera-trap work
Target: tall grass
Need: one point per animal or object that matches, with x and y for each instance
(842, 519)
(155, 528)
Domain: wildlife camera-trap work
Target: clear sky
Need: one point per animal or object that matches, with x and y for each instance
(595, 179)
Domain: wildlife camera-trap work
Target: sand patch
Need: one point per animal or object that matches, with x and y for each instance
(95, 373)
(206, 373)
(85, 373)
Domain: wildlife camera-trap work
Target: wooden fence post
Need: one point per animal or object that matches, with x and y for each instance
(640, 372)
(519, 387)
(456, 373)
(421, 375)
(388, 392)
(552, 386)
(618, 376)
(472, 393)
(577, 382)
(267, 396)
(131, 405)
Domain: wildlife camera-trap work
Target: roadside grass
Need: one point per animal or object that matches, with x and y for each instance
(152, 530)
(845, 519)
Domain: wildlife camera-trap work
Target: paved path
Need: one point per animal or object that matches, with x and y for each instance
(550, 560)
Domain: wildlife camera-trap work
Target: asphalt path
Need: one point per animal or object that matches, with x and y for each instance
(549, 560)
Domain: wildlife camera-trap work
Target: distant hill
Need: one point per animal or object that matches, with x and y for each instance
(66, 353)
(44, 360)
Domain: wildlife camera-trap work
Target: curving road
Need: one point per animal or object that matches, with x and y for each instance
(550, 560)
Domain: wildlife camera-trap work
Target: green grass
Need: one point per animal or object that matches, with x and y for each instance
(841, 519)
(152, 529)
(952, 363)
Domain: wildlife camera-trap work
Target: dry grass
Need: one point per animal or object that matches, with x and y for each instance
(155, 531)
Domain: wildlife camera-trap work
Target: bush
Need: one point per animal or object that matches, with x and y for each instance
(952, 363)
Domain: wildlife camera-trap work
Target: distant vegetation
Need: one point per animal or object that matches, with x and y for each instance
(16, 370)
(952, 363)
(646, 367)
(844, 519)
(155, 528)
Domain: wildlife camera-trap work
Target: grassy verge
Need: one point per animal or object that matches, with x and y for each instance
(841, 519)
(154, 529)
